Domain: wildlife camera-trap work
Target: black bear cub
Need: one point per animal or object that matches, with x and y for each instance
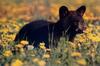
(69, 24)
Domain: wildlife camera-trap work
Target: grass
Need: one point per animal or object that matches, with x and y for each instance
(83, 52)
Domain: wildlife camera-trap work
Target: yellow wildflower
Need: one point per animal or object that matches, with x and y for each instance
(24, 42)
(35, 60)
(42, 63)
(39, 62)
(12, 36)
(46, 56)
(7, 53)
(93, 37)
(17, 62)
(82, 40)
(42, 46)
(5, 30)
(88, 30)
(76, 54)
(81, 62)
(16, 27)
(96, 39)
(90, 25)
(19, 46)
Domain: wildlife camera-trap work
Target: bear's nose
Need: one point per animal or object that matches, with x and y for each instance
(84, 28)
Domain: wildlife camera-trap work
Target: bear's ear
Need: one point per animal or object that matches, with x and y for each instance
(63, 11)
(81, 10)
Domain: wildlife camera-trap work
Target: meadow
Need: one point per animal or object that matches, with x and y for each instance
(84, 51)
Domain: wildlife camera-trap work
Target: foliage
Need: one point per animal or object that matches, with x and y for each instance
(83, 52)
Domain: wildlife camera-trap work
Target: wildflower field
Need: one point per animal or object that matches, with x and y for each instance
(84, 51)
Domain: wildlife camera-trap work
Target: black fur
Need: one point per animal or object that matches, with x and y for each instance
(69, 24)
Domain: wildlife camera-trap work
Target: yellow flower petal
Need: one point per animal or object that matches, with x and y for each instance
(42, 63)
(46, 56)
(19, 46)
(76, 54)
(81, 62)
(42, 46)
(7, 53)
(17, 62)
(35, 60)
(24, 42)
